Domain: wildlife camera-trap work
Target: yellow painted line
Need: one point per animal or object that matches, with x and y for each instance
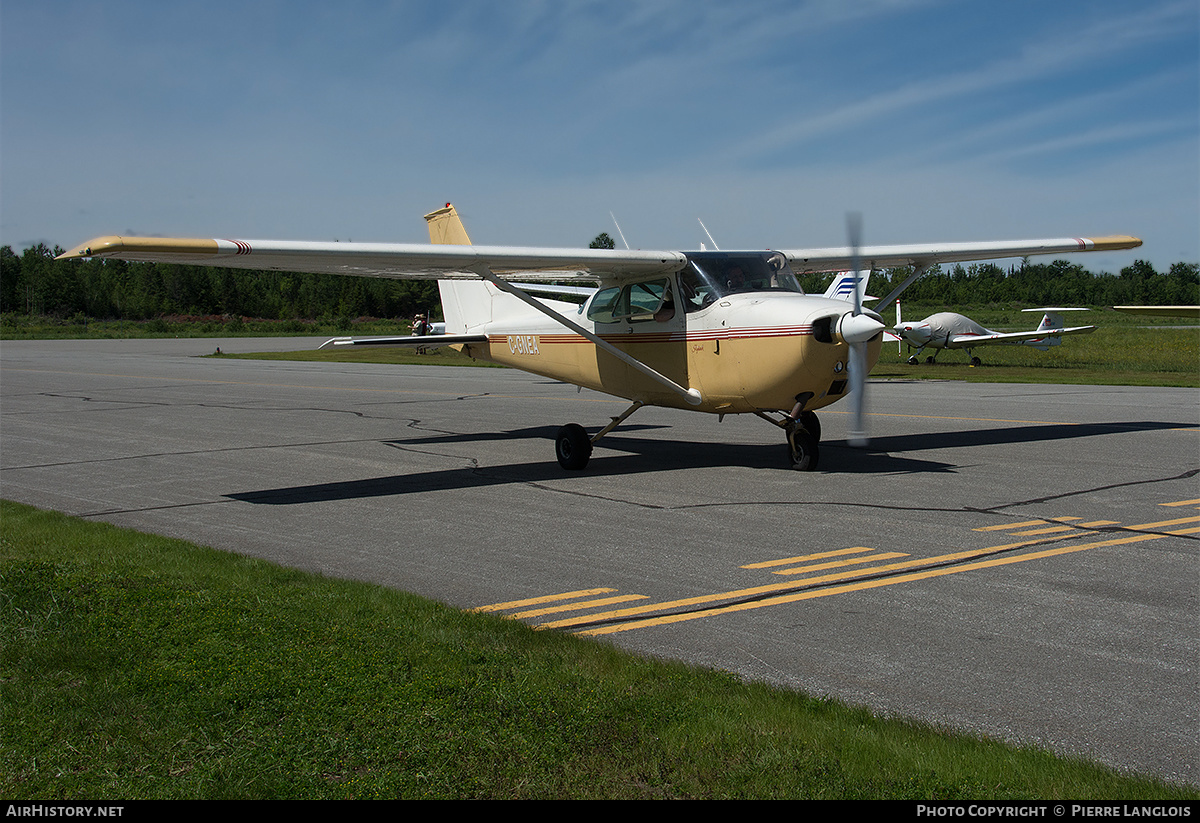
(1183, 503)
(834, 564)
(1192, 530)
(534, 601)
(573, 607)
(1023, 524)
(1160, 524)
(766, 564)
(863, 585)
(755, 591)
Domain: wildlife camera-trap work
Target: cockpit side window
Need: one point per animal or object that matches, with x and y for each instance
(695, 289)
(632, 303)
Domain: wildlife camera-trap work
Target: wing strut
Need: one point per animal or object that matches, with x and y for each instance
(896, 292)
(692, 396)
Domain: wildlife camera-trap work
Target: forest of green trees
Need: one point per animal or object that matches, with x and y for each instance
(35, 284)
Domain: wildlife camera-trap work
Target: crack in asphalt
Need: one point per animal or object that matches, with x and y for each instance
(997, 509)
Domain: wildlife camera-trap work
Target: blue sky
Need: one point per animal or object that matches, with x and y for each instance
(939, 120)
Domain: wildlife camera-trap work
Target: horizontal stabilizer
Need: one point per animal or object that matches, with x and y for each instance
(415, 340)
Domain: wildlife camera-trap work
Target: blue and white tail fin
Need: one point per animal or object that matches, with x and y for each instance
(844, 283)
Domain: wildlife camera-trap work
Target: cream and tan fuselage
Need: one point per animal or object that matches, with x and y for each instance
(744, 353)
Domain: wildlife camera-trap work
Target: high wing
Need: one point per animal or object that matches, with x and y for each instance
(1161, 311)
(923, 256)
(392, 260)
(441, 262)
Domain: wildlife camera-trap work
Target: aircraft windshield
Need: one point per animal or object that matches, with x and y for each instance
(710, 276)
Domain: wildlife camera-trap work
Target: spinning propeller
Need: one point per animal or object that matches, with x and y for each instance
(857, 329)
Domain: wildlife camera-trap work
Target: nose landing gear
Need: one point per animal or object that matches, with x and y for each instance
(803, 431)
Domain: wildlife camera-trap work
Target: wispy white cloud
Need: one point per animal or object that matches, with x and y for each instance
(769, 120)
(1034, 62)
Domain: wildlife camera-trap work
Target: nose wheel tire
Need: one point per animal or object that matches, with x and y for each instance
(803, 450)
(573, 447)
(808, 420)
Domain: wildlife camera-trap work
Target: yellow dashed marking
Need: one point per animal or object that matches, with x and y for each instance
(870, 571)
(534, 601)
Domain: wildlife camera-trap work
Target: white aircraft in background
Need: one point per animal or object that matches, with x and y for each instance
(947, 330)
(723, 332)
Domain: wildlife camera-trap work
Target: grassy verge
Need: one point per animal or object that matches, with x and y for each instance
(1124, 350)
(1120, 356)
(1116, 354)
(136, 666)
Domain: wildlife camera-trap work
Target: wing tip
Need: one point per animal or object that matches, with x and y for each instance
(93, 248)
(112, 245)
(1114, 242)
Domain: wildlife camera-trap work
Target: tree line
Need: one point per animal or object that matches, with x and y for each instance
(35, 284)
(1057, 283)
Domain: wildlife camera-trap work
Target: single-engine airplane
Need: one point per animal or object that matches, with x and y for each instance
(947, 330)
(723, 332)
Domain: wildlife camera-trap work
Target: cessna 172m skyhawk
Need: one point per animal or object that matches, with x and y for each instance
(722, 332)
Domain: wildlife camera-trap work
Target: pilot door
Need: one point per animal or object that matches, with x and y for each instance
(643, 319)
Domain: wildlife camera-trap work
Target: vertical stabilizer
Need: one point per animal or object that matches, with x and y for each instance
(845, 283)
(466, 304)
(445, 227)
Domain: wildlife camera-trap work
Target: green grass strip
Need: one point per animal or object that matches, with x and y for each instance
(1122, 355)
(136, 666)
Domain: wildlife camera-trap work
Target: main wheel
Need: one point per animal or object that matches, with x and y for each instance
(803, 451)
(573, 447)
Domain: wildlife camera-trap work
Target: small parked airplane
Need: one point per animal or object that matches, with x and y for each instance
(947, 330)
(723, 332)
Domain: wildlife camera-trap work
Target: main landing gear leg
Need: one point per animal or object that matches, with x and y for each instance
(574, 447)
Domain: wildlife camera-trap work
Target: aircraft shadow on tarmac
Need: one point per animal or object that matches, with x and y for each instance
(637, 456)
